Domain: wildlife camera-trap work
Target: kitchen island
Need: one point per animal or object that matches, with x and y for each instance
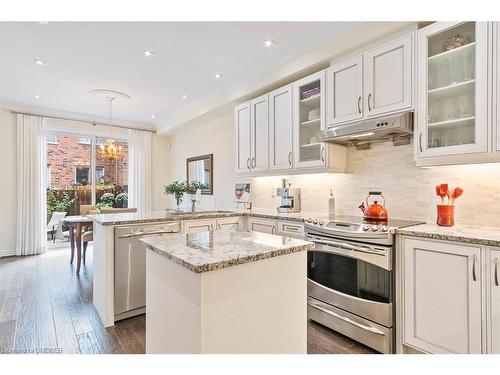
(226, 292)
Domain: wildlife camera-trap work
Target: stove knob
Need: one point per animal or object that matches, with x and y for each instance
(374, 228)
(384, 229)
(321, 222)
(315, 221)
(366, 228)
(308, 220)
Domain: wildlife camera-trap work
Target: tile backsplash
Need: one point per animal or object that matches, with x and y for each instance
(409, 191)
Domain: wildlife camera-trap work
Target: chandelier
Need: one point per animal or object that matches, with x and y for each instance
(110, 151)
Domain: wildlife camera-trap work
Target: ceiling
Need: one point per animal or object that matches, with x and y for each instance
(82, 56)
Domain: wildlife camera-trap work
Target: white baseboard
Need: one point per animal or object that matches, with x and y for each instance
(7, 253)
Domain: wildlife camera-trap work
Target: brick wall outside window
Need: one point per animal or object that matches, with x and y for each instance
(67, 154)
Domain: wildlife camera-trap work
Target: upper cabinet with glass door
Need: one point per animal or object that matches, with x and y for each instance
(309, 119)
(452, 117)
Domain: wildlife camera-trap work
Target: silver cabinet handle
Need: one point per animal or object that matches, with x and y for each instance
(346, 319)
(290, 158)
(496, 271)
(359, 104)
(420, 141)
(286, 227)
(323, 153)
(369, 97)
(253, 163)
(248, 163)
(211, 227)
(474, 260)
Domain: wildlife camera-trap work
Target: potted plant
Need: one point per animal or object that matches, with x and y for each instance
(177, 189)
(107, 201)
(121, 200)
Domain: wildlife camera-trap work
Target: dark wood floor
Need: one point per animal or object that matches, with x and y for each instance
(46, 308)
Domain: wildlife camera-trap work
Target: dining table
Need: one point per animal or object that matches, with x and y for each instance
(76, 225)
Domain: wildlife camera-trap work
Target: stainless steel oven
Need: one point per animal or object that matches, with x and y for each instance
(350, 283)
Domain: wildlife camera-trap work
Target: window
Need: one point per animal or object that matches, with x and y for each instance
(82, 175)
(52, 139)
(84, 141)
(48, 180)
(100, 141)
(99, 176)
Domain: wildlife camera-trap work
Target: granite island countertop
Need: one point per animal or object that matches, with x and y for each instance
(162, 216)
(489, 236)
(208, 251)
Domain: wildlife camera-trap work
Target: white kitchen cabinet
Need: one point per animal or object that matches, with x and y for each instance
(259, 130)
(242, 137)
(344, 91)
(290, 228)
(452, 121)
(496, 83)
(493, 297)
(441, 296)
(388, 77)
(309, 118)
(204, 225)
(229, 223)
(280, 129)
(262, 225)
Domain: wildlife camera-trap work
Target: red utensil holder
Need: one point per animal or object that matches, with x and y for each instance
(445, 215)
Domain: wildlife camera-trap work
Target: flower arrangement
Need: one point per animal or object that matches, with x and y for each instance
(443, 191)
(446, 212)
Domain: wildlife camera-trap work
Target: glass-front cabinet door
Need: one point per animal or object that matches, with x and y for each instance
(452, 89)
(309, 119)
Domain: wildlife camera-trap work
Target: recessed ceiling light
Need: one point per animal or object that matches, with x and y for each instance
(269, 43)
(44, 22)
(153, 116)
(218, 75)
(184, 96)
(148, 53)
(40, 62)
(37, 96)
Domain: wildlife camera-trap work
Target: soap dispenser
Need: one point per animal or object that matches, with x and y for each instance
(331, 204)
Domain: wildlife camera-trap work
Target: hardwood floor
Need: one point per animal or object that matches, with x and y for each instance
(46, 308)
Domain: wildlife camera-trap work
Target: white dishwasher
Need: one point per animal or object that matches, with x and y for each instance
(130, 266)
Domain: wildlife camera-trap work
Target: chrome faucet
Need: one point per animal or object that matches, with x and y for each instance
(193, 204)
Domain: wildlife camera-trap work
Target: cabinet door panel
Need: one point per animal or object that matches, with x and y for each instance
(259, 116)
(442, 297)
(345, 91)
(194, 226)
(262, 225)
(389, 77)
(494, 298)
(242, 139)
(280, 129)
(452, 90)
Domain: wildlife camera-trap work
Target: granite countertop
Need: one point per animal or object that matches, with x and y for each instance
(208, 251)
(489, 236)
(162, 216)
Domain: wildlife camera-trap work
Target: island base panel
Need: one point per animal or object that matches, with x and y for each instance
(257, 307)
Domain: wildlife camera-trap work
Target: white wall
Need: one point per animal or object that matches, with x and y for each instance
(8, 186)
(215, 137)
(410, 191)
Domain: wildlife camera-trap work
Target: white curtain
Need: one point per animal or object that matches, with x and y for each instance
(139, 179)
(31, 237)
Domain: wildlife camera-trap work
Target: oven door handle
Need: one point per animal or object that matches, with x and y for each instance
(347, 246)
(346, 319)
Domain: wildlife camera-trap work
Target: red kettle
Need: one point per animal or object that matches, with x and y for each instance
(374, 211)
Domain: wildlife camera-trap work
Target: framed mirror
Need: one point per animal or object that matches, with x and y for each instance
(200, 169)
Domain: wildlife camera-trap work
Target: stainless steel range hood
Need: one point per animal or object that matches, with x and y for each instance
(398, 129)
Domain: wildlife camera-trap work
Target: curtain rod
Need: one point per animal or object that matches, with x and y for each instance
(72, 119)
